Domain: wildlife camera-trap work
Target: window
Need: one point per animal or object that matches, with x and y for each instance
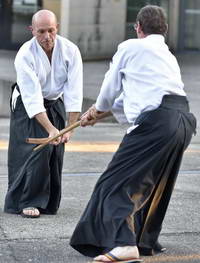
(133, 6)
(191, 25)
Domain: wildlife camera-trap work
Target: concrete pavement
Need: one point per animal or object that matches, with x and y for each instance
(47, 238)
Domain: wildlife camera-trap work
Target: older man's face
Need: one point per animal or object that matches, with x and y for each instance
(45, 30)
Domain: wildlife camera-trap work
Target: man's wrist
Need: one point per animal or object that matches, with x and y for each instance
(96, 110)
(99, 112)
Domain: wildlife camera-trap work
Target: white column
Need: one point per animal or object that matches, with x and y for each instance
(174, 12)
(64, 18)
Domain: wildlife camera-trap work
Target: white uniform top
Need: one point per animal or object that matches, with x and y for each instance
(141, 73)
(37, 78)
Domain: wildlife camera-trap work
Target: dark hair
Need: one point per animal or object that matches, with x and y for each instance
(152, 20)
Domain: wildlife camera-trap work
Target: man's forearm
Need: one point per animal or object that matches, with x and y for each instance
(43, 119)
(103, 115)
(73, 117)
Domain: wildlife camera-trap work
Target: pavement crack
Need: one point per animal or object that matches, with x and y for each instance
(187, 233)
(6, 239)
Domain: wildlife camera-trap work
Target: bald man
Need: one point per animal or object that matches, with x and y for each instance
(48, 89)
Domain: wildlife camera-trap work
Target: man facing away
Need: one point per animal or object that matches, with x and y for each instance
(49, 87)
(144, 88)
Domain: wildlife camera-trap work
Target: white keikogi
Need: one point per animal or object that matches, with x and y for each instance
(34, 178)
(142, 72)
(37, 78)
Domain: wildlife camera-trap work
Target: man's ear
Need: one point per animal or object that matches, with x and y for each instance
(140, 31)
(30, 28)
(139, 28)
(167, 26)
(57, 26)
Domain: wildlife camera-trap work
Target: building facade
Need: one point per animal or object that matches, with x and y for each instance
(97, 26)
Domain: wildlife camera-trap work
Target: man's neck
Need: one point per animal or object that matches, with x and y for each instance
(49, 54)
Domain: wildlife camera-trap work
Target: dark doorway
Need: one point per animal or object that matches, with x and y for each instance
(5, 18)
(15, 17)
(189, 25)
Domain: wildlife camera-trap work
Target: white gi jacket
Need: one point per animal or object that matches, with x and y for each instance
(38, 79)
(141, 73)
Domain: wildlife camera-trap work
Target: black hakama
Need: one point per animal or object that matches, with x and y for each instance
(142, 171)
(34, 178)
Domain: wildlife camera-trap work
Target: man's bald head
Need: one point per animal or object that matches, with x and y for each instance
(43, 15)
(44, 28)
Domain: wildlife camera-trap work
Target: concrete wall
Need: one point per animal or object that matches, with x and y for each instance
(53, 5)
(7, 78)
(5, 90)
(96, 26)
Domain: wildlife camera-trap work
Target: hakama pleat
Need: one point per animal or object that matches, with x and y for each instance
(144, 169)
(34, 177)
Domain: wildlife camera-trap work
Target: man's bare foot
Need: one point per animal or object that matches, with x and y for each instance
(120, 253)
(30, 212)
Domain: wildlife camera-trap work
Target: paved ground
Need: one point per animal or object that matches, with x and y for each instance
(46, 239)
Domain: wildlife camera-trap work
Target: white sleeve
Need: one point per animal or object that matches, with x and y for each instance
(73, 89)
(112, 84)
(118, 110)
(29, 85)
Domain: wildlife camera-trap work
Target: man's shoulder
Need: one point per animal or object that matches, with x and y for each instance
(26, 49)
(141, 44)
(27, 46)
(64, 42)
(130, 43)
